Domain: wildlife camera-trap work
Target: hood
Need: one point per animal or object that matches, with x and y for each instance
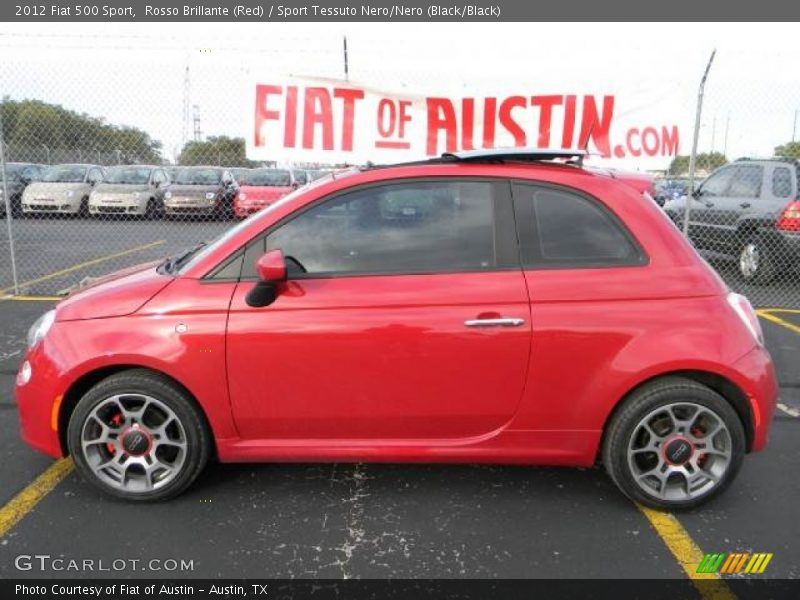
(193, 189)
(121, 188)
(253, 192)
(52, 187)
(115, 295)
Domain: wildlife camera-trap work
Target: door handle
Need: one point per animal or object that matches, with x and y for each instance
(708, 204)
(745, 205)
(503, 322)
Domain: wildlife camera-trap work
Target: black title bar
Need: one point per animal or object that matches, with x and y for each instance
(134, 11)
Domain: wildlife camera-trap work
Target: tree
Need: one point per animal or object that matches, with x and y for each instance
(706, 161)
(41, 132)
(788, 150)
(220, 150)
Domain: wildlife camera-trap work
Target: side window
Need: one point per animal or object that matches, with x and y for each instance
(301, 177)
(718, 182)
(781, 182)
(95, 175)
(563, 229)
(746, 182)
(414, 227)
(159, 177)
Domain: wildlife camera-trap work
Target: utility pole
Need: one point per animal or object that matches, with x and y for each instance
(346, 63)
(693, 155)
(187, 92)
(794, 127)
(198, 133)
(713, 134)
(725, 143)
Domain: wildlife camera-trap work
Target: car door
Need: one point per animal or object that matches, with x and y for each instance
(705, 216)
(742, 201)
(586, 275)
(405, 318)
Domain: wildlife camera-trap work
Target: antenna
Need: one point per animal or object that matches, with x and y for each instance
(585, 146)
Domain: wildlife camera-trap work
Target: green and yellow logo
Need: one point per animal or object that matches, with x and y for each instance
(735, 562)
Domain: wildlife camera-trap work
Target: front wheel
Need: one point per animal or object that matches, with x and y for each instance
(674, 444)
(138, 436)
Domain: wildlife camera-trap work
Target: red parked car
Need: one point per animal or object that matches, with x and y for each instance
(261, 187)
(487, 307)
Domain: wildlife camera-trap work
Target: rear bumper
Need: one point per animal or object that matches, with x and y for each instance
(756, 378)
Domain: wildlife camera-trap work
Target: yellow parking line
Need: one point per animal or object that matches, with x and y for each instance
(795, 311)
(710, 585)
(792, 412)
(767, 314)
(82, 265)
(24, 502)
(33, 298)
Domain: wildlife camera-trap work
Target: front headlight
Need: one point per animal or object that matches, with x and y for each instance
(69, 193)
(168, 195)
(40, 328)
(242, 196)
(210, 195)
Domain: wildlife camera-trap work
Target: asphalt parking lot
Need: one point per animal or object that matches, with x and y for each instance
(400, 521)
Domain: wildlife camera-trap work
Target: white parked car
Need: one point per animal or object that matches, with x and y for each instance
(62, 189)
(130, 190)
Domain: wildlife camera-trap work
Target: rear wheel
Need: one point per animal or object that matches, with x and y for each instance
(674, 444)
(756, 263)
(138, 436)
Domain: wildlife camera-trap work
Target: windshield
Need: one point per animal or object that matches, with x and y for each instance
(14, 172)
(197, 176)
(132, 175)
(65, 174)
(268, 178)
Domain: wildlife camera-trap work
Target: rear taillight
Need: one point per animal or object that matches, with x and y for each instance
(790, 217)
(744, 310)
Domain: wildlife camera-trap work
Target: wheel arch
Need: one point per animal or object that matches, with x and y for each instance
(88, 380)
(722, 385)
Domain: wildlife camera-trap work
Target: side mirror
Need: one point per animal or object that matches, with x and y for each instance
(697, 192)
(295, 185)
(271, 269)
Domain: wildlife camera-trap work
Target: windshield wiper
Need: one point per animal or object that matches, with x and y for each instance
(176, 262)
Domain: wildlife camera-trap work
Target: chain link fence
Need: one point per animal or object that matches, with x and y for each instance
(124, 150)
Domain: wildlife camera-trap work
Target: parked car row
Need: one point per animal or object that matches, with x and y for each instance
(150, 191)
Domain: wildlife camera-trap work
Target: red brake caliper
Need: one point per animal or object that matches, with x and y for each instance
(697, 432)
(116, 421)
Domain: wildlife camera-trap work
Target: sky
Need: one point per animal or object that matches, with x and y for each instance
(133, 74)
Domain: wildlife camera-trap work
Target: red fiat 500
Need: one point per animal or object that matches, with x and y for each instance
(261, 187)
(493, 307)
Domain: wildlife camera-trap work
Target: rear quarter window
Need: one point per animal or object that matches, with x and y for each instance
(564, 229)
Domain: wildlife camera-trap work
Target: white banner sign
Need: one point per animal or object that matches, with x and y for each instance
(332, 121)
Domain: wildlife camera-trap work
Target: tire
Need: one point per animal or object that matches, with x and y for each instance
(176, 453)
(756, 262)
(151, 211)
(648, 477)
(83, 210)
